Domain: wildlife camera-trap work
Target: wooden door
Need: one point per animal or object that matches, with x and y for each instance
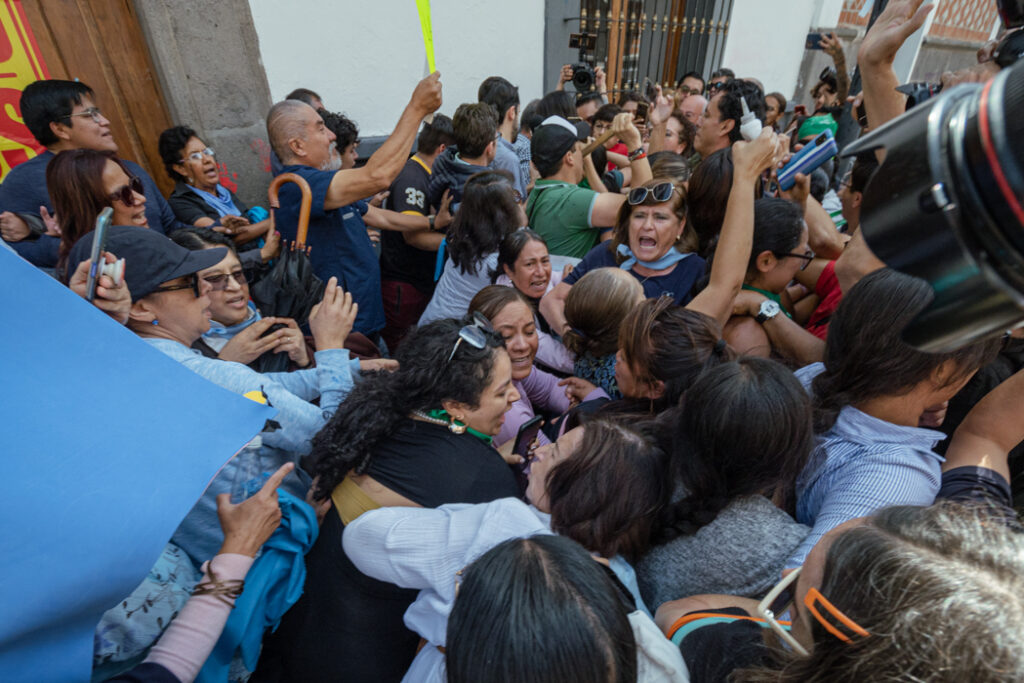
(100, 43)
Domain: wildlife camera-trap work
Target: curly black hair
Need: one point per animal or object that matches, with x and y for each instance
(382, 400)
(344, 128)
(172, 145)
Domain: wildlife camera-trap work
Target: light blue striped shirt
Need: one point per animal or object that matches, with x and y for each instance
(861, 465)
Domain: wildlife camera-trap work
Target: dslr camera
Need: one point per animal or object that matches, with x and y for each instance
(583, 77)
(947, 205)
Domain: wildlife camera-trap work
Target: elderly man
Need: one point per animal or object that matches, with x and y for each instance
(340, 245)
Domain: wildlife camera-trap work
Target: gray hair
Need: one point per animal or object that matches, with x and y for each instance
(284, 122)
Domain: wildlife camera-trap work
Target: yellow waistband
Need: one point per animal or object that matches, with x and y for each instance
(351, 501)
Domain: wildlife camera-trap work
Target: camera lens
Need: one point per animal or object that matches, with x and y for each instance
(946, 206)
(582, 77)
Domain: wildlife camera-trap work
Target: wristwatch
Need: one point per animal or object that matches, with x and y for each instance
(769, 309)
(637, 153)
(430, 220)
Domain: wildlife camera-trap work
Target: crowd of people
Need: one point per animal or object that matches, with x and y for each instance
(585, 397)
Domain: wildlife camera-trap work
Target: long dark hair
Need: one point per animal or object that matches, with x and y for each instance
(381, 401)
(74, 179)
(539, 609)
(670, 344)
(608, 494)
(487, 214)
(865, 355)
(708, 194)
(937, 588)
(744, 429)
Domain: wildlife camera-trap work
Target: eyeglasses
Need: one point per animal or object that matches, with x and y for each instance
(193, 284)
(220, 281)
(812, 601)
(661, 192)
(687, 90)
(716, 86)
(474, 334)
(807, 257)
(198, 156)
(92, 112)
(126, 193)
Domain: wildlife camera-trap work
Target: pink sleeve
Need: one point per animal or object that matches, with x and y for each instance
(189, 640)
(543, 390)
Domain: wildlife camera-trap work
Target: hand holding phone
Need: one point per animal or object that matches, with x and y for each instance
(96, 260)
(528, 431)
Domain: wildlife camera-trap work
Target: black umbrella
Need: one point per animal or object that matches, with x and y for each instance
(291, 288)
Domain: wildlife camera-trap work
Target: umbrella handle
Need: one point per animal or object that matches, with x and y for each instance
(304, 209)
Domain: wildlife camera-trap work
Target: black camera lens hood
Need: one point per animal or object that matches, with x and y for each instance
(922, 214)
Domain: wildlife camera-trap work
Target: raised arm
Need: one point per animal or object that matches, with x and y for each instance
(733, 252)
(991, 430)
(384, 166)
(552, 307)
(876, 55)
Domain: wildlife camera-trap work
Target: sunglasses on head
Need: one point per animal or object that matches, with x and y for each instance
(474, 334)
(126, 193)
(661, 192)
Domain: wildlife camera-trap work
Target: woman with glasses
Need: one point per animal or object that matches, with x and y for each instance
(418, 437)
(83, 182)
(910, 593)
(170, 305)
(238, 332)
(199, 198)
(780, 253)
(650, 230)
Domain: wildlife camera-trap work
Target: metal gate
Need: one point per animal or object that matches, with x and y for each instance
(656, 39)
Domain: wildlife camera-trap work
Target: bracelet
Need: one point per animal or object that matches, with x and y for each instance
(225, 591)
(638, 153)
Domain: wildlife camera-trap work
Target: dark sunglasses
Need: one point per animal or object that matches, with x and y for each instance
(806, 257)
(126, 193)
(662, 192)
(474, 334)
(716, 86)
(220, 282)
(193, 284)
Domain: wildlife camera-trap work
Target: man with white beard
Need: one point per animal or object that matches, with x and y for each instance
(337, 234)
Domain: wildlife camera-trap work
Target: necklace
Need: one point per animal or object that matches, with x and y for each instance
(426, 418)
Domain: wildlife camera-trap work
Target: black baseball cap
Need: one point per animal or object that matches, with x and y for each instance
(150, 259)
(554, 137)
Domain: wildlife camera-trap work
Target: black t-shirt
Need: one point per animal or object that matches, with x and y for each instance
(430, 465)
(399, 260)
(714, 651)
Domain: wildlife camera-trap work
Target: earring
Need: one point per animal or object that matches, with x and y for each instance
(155, 321)
(455, 426)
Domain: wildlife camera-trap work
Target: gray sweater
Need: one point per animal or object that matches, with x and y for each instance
(742, 552)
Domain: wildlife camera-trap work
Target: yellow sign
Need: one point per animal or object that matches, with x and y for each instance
(423, 7)
(20, 64)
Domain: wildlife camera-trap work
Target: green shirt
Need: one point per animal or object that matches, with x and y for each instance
(561, 214)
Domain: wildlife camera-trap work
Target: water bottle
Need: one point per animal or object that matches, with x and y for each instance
(249, 474)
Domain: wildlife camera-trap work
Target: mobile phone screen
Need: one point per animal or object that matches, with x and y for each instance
(527, 433)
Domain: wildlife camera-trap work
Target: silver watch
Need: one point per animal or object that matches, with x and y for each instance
(768, 310)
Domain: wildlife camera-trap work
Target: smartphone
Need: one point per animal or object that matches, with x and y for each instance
(641, 111)
(527, 433)
(799, 110)
(813, 42)
(813, 155)
(99, 243)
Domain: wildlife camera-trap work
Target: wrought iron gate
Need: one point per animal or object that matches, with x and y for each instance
(656, 39)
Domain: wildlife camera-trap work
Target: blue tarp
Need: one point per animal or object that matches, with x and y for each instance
(106, 444)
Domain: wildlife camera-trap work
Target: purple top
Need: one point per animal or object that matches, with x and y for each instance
(539, 389)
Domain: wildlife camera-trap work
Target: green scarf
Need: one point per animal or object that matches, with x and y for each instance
(442, 414)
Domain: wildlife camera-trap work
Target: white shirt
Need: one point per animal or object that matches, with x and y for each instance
(424, 548)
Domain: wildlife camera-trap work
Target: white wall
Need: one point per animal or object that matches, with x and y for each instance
(366, 57)
(766, 38)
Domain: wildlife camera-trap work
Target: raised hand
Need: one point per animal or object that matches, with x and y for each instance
(332, 319)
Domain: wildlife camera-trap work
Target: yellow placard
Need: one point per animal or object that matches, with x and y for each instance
(423, 7)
